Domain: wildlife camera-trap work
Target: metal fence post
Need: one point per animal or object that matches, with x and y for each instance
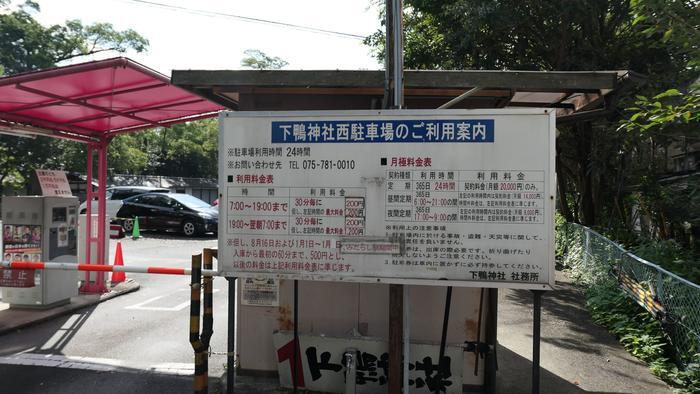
(587, 246)
(208, 315)
(230, 347)
(659, 286)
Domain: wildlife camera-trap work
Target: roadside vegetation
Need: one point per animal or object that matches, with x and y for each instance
(632, 173)
(638, 331)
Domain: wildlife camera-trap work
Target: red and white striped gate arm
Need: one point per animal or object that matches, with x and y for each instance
(101, 268)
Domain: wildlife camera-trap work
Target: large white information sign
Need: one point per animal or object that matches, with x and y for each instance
(441, 197)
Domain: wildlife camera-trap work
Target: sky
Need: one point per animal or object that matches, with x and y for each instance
(180, 39)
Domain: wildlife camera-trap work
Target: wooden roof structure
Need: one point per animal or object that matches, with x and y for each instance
(577, 95)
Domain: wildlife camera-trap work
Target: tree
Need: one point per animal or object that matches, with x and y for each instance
(599, 164)
(189, 150)
(260, 61)
(26, 45)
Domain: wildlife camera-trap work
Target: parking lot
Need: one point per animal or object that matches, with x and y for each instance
(143, 331)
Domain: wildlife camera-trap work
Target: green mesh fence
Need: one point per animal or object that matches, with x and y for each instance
(595, 258)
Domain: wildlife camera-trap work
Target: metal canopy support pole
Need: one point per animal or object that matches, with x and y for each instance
(295, 367)
(536, 326)
(492, 340)
(101, 210)
(406, 334)
(230, 352)
(95, 282)
(88, 218)
(443, 336)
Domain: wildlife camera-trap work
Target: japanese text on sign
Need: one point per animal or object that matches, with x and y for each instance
(323, 131)
(53, 183)
(475, 208)
(322, 359)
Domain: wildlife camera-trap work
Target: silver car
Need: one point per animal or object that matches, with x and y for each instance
(116, 194)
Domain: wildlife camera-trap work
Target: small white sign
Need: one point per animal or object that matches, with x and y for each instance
(53, 183)
(260, 292)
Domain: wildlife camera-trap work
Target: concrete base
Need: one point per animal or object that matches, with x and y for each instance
(40, 307)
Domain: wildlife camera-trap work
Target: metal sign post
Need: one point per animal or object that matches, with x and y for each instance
(399, 306)
(536, 330)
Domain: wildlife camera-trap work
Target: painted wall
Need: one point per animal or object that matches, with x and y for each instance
(335, 309)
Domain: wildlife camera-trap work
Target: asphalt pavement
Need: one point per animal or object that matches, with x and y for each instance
(139, 342)
(577, 355)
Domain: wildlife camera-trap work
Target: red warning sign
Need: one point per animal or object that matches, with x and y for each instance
(16, 278)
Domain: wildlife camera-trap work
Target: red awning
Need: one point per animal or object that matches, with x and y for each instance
(95, 99)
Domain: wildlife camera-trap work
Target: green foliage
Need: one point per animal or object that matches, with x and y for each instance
(12, 177)
(258, 60)
(671, 23)
(187, 150)
(671, 256)
(668, 111)
(610, 169)
(26, 45)
(560, 237)
(526, 35)
(20, 156)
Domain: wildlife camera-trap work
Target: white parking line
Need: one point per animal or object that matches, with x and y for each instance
(140, 306)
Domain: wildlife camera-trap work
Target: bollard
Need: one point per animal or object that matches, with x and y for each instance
(200, 342)
(200, 351)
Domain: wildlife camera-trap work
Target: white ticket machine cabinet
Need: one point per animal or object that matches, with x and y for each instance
(41, 228)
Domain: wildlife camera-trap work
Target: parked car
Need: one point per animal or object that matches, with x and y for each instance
(170, 212)
(116, 194)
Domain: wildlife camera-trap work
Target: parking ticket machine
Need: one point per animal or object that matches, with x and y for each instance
(40, 228)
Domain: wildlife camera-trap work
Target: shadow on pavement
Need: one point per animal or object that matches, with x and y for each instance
(515, 376)
(69, 381)
(49, 337)
(578, 354)
(566, 303)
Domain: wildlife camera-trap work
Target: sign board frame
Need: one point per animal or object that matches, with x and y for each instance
(275, 130)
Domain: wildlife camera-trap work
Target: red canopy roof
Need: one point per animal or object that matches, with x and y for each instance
(100, 98)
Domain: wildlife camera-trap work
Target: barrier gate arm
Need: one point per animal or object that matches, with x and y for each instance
(103, 268)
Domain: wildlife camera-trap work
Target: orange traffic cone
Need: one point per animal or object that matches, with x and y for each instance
(118, 277)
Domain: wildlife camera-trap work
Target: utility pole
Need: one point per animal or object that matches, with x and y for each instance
(393, 98)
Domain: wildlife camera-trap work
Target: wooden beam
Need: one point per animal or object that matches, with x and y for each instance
(395, 338)
(519, 80)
